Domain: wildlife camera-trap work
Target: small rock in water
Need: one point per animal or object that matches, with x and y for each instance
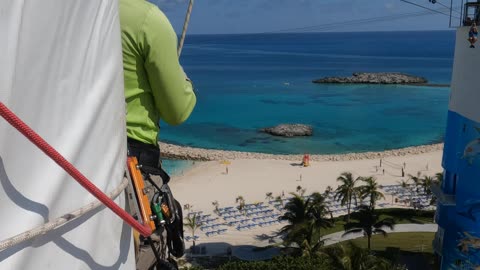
(289, 130)
(375, 78)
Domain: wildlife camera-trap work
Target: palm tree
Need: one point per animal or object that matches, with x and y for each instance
(306, 217)
(279, 200)
(439, 178)
(417, 180)
(348, 256)
(346, 191)
(370, 190)
(327, 191)
(405, 184)
(241, 203)
(269, 196)
(193, 222)
(301, 191)
(426, 182)
(187, 207)
(216, 206)
(369, 223)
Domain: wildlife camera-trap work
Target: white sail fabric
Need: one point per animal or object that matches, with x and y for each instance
(61, 72)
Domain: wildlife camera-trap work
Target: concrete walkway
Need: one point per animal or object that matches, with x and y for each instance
(337, 237)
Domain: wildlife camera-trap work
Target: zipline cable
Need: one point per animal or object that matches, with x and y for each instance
(379, 20)
(356, 21)
(424, 7)
(450, 8)
(185, 26)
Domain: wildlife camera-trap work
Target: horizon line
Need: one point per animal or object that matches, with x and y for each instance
(320, 32)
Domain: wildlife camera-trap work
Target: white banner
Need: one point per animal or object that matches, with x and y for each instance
(61, 72)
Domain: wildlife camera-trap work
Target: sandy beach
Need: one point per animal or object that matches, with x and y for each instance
(252, 178)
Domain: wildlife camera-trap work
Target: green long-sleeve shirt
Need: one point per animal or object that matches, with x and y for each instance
(155, 84)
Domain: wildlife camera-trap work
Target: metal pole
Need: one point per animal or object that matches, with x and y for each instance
(451, 7)
(185, 26)
(461, 14)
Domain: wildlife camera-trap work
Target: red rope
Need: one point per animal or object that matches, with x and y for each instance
(70, 169)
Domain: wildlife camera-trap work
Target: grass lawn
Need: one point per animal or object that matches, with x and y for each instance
(407, 241)
(400, 215)
(412, 249)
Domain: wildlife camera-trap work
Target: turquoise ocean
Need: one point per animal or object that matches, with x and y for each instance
(246, 82)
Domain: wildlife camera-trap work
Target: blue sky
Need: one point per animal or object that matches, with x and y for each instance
(258, 16)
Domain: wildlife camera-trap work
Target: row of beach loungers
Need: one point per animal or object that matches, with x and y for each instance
(209, 227)
(267, 217)
(238, 222)
(189, 238)
(261, 215)
(260, 212)
(232, 216)
(255, 225)
(216, 232)
(404, 194)
(198, 213)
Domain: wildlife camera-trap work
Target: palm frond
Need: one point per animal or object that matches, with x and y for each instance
(380, 231)
(354, 230)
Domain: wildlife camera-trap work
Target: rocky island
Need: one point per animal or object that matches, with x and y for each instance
(376, 78)
(289, 130)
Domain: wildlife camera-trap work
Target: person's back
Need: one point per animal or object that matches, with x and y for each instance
(155, 88)
(155, 84)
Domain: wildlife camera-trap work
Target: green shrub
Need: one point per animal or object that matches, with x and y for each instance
(279, 263)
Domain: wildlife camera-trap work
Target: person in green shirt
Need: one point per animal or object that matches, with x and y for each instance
(155, 88)
(155, 85)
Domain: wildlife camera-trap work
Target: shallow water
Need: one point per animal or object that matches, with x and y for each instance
(246, 82)
(176, 167)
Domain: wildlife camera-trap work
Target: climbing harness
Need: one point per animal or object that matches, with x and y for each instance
(162, 211)
(140, 194)
(167, 213)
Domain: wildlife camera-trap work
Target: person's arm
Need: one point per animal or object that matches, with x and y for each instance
(173, 94)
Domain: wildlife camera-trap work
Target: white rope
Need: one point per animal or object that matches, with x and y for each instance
(41, 230)
(185, 26)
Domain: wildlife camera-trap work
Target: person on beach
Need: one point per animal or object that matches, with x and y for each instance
(473, 35)
(156, 87)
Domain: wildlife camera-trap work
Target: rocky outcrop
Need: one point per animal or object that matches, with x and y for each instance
(190, 153)
(375, 78)
(289, 130)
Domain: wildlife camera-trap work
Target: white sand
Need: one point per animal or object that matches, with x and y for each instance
(251, 178)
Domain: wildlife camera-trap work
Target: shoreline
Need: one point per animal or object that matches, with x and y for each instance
(173, 151)
(254, 175)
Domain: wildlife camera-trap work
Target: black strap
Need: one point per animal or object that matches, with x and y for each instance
(148, 157)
